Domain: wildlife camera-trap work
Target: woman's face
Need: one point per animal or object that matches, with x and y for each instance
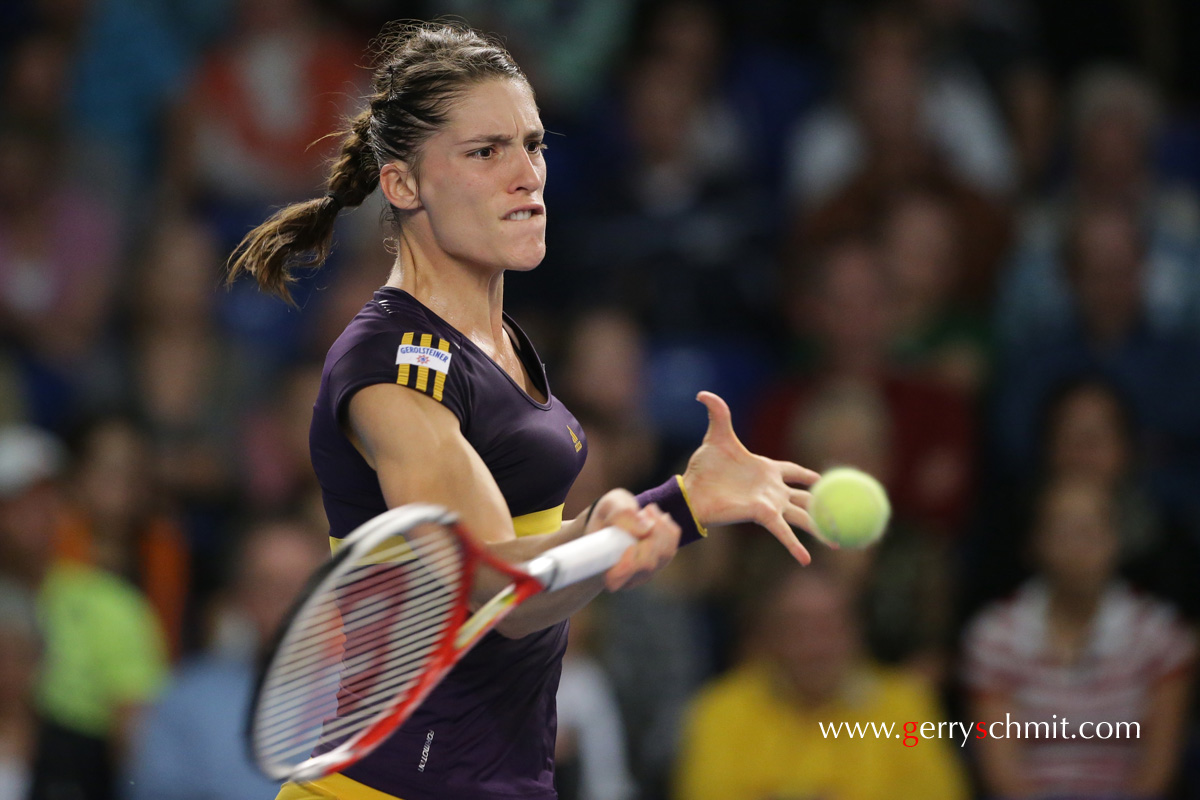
(480, 179)
(1076, 539)
(1088, 438)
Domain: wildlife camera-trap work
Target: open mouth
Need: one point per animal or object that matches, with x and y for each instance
(519, 216)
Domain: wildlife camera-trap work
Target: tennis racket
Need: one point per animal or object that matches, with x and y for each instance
(379, 625)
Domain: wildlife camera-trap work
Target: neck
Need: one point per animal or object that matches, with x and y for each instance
(1073, 608)
(469, 297)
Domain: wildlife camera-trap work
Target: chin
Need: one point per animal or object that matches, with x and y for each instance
(524, 262)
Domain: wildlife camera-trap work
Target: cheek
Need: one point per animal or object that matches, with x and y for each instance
(455, 212)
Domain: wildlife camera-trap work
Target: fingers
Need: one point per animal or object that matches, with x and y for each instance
(796, 474)
(658, 537)
(615, 507)
(720, 420)
(799, 497)
(799, 518)
(780, 529)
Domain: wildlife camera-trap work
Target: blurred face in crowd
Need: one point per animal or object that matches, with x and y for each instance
(885, 83)
(175, 285)
(35, 86)
(688, 34)
(920, 252)
(606, 363)
(24, 165)
(1075, 539)
(662, 104)
(844, 424)
(1107, 269)
(478, 186)
(1113, 152)
(265, 15)
(1087, 436)
(812, 635)
(114, 476)
(275, 565)
(853, 308)
(28, 520)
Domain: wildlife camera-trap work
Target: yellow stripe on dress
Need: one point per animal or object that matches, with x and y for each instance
(439, 382)
(390, 551)
(332, 787)
(423, 372)
(545, 521)
(402, 375)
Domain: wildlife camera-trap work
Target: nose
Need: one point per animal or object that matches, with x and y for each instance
(530, 172)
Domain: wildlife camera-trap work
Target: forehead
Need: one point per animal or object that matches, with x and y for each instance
(494, 107)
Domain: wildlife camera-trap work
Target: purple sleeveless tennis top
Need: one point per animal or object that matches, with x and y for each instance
(487, 731)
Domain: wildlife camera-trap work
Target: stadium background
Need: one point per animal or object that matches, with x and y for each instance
(922, 237)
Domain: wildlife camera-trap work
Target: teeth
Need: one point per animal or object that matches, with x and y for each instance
(520, 215)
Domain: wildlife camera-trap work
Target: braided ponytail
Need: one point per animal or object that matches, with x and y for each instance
(299, 236)
(421, 70)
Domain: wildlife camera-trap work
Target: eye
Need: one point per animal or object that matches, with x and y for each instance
(483, 153)
(536, 147)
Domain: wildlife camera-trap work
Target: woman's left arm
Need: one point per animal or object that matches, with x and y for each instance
(1162, 736)
(725, 484)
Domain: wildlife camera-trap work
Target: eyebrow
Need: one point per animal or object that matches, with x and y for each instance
(502, 138)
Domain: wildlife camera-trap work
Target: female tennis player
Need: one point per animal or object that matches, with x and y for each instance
(433, 394)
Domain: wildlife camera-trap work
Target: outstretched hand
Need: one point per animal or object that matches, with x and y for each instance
(727, 484)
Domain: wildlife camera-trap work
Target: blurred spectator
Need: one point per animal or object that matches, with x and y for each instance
(566, 49)
(128, 62)
(187, 381)
(589, 753)
(905, 583)
(604, 380)
(277, 472)
(116, 520)
(754, 733)
(924, 258)
(190, 746)
(104, 655)
(1108, 331)
(671, 210)
(20, 649)
(1087, 431)
(1076, 646)
(648, 640)
(59, 263)
(1089, 435)
(899, 113)
(1114, 122)
(247, 134)
(998, 42)
(842, 319)
(35, 80)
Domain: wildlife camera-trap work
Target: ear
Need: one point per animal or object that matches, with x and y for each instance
(399, 185)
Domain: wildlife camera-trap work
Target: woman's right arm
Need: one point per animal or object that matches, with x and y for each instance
(419, 455)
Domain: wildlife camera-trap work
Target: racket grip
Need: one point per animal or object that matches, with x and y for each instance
(580, 559)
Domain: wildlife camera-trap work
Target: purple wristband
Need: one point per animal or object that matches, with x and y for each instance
(671, 499)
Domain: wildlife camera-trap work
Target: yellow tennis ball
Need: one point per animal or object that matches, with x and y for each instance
(849, 508)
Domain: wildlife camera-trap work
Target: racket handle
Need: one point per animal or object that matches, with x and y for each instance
(580, 559)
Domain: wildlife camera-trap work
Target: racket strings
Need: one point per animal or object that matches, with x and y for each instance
(359, 647)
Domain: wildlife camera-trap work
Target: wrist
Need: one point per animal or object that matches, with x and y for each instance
(672, 497)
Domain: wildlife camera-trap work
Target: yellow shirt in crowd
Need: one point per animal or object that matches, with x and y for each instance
(744, 739)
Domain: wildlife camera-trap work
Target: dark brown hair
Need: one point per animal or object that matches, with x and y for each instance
(420, 70)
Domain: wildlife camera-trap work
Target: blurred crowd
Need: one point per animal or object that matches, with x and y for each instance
(955, 243)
